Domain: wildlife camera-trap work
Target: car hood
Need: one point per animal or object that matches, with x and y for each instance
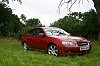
(70, 38)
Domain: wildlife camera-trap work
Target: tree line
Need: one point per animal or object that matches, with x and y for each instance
(13, 26)
(76, 23)
(80, 24)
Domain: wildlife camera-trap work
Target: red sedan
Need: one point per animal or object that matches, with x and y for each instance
(54, 41)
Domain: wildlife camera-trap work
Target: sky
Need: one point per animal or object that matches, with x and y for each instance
(46, 10)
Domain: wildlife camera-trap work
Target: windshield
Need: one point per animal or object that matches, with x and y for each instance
(55, 32)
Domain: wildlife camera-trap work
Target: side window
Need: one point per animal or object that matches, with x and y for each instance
(35, 32)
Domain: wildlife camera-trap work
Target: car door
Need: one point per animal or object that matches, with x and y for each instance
(42, 41)
(32, 38)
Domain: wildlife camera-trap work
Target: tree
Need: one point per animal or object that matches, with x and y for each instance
(7, 1)
(9, 23)
(33, 22)
(23, 18)
(80, 24)
(90, 24)
(96, 5)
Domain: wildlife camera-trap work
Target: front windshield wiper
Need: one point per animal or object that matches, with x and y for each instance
(62, 33)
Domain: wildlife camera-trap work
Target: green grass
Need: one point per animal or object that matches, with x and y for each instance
(12, 54)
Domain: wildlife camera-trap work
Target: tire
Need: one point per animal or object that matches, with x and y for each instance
(25, 46)
(53, 50)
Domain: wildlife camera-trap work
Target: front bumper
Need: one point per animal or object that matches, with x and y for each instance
(72, 50)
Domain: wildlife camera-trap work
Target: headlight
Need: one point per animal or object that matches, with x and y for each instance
(67, 43)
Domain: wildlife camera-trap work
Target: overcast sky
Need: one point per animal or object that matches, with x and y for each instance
(46, 10)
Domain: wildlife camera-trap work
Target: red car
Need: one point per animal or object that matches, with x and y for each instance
(55, 41)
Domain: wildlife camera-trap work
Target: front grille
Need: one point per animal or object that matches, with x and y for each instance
(82, 43)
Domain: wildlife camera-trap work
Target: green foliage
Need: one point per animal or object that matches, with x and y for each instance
(77, 23)
(90, 24)
(29, 24)
(9, 23)
(80, 24)
(12, 54)
(23, 17)
(33, 22)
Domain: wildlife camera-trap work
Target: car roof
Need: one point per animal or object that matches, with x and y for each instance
(48, 27)
(44, 28)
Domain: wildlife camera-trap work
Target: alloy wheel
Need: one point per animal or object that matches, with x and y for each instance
(25, 47)
(52, 50)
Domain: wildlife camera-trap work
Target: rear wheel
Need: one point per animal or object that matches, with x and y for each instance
(25, 46)
(52, 50)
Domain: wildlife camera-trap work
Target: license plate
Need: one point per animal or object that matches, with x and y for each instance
(84, 48)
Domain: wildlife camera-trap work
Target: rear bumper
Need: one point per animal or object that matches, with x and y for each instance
(72, 50)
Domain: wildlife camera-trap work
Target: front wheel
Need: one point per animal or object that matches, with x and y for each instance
(52, 50)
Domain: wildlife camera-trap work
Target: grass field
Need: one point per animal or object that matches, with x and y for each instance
(12, 54)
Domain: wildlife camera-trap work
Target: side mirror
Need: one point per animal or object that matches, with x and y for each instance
(69, 34)
(41, 34)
